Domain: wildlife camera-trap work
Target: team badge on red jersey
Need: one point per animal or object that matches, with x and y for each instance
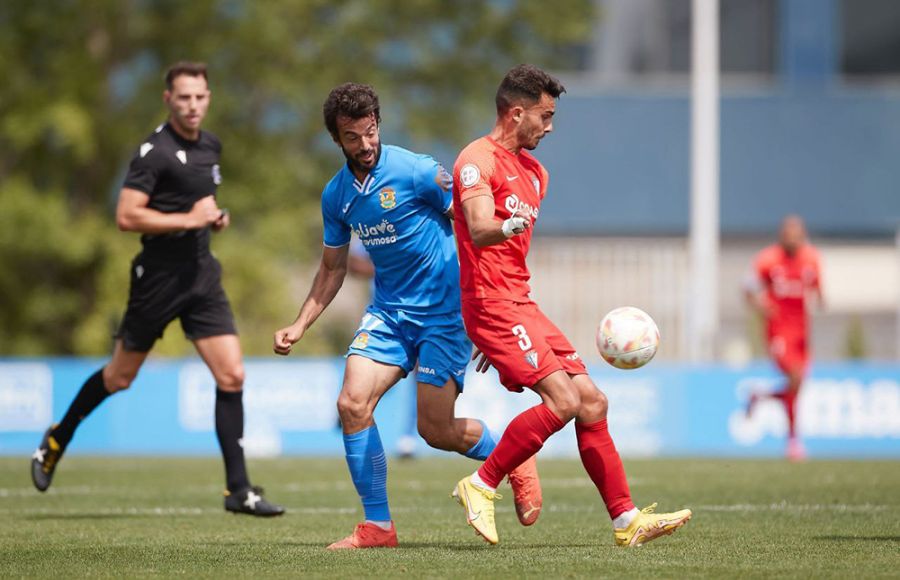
(387, 197)
(469, 174)
(532, 358)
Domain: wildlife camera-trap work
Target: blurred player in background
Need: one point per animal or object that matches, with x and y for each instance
(360, 266)
(169, 196)
(784, 275)
(399, 204)
(498, 188)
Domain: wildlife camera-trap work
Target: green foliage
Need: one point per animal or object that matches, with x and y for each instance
(82, 87)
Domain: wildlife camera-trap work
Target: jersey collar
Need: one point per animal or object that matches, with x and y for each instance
(366, 184)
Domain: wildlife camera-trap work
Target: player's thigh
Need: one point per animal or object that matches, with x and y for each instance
(560, 393)
(123, 367)
(222, 354)
(788, 351)
(366, 381)
(436, 405)
(593, 402)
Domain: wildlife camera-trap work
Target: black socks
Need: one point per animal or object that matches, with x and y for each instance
(230, 430)
(90, 396)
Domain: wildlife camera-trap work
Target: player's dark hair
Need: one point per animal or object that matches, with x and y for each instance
(191, 69)
(526, 83)
(351, 100)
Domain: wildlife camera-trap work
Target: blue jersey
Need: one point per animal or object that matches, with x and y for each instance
(398, 213)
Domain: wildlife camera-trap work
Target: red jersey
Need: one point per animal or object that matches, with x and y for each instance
(516, 183)
(787, 280)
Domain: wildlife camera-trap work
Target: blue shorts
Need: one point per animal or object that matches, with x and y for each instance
(437, 342)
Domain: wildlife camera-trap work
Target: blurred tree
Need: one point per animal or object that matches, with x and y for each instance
(82, 86)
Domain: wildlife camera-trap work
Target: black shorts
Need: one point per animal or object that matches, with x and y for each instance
(162, 291)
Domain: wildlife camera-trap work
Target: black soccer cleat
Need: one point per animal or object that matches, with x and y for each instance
(44, 460)
(251, 501)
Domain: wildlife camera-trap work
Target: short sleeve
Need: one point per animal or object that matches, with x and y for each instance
(433, 184)
(144, 170)
(473, 172)
(336, 233)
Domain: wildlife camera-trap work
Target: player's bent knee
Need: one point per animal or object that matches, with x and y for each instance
(232, 379)
(117, 382)
(566, 406)
(352, 410)
(439, 436)
(596, 402)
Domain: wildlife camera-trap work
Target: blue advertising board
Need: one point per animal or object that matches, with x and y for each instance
(845, 410)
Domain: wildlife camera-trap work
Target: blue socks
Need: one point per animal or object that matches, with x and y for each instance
(484, 446)
(368, 469)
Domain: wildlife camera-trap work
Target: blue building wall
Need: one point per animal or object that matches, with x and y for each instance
(799, 142)
(620, 164)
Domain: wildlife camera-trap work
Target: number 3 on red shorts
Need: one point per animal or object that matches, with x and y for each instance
(524, 340)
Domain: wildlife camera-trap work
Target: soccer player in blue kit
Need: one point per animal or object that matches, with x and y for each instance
(399, 204)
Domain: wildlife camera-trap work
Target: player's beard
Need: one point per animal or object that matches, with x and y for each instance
(356, 165)
(530, 142)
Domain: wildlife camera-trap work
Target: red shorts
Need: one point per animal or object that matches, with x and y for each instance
(789, 351)
(520, 341)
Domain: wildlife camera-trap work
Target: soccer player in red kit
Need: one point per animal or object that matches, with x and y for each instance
(785, 274)
(498, 187)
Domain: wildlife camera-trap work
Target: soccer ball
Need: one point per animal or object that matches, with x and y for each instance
(627, 338)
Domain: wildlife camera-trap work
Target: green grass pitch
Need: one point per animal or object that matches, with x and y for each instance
(148, 517)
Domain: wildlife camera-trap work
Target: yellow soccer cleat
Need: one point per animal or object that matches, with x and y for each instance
(479, 505)
(647, 526)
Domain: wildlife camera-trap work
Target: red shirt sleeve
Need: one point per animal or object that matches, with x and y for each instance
(474, 170)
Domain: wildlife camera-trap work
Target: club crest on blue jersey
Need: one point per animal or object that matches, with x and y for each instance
(361, 341)
(387, 197)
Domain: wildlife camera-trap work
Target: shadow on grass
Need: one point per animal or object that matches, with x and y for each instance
(505, 546)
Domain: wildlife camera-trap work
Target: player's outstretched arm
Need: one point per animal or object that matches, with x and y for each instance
(485, 228)
(134, 215)
(325, 286)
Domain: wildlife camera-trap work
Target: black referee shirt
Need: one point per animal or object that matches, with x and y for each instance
(175, 173)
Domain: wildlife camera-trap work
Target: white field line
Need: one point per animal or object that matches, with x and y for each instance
(784, 506)
(296, 487)
(168, 511)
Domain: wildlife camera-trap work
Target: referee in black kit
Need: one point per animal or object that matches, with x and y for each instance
(169, 196)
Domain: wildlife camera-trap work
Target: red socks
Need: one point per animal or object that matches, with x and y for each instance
(789, 400)
(527, 433)
(524, 437)
(604, 466)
